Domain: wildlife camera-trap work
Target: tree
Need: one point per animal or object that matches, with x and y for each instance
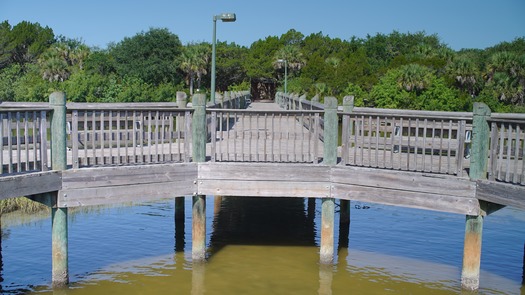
(194, 62)
(413, 77)
(293, 56)
(149, 56)
(229, 67)
(27, 41)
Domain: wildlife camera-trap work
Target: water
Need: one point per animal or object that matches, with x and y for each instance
(262, 246)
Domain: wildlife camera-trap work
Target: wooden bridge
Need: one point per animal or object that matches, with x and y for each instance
(91, 154)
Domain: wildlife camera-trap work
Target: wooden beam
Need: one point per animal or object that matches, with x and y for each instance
(30, 184)
(501, 193)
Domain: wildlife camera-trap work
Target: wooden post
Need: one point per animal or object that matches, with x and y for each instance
(182, 101)
(523, 273)
(344, 205)
(474, 224)
(329, 158)
(60, 273)
(199, 201)
(480, 142)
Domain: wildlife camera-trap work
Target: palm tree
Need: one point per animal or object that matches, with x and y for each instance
(194, 62)
(465, 73)
(414, 77)
(293, 55)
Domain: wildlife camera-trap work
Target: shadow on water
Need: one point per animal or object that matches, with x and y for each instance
(262, 221)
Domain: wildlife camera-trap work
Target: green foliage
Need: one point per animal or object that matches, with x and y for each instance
(396, 70)
(229, 66)
(23, 43)
(243, 86)
(149, 56)
(360, 96)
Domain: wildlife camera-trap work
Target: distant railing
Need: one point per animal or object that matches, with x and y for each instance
(507, 145)
(251, 136)
(23, 133)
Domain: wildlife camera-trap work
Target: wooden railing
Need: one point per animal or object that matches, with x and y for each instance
(23, 133)
(122, 135)
(507, 145)
(433, 142)
(129, 134)
(269, 136)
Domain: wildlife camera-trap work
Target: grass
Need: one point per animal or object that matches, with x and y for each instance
(21, 204)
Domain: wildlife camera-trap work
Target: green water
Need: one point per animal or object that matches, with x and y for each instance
(263, 246)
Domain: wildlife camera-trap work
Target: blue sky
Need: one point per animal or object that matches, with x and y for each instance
(458, 23)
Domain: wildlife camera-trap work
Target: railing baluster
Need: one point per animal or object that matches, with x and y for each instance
(26, 141)
(43, 140)
(18, 145)
(509, 152)
(74, 139)
(501, 145)
(515, 178)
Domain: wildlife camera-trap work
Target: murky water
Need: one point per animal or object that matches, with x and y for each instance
(262, 246)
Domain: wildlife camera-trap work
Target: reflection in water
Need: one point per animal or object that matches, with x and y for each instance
(326, 274)
(265, 246)
(197, 278)
(262, 221)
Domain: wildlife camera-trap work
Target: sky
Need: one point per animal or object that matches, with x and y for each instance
(458, 23)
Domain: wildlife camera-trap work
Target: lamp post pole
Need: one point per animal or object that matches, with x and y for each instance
(225, 17)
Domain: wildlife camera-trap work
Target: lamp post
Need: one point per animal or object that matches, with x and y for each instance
(285, 74)
(225, 17)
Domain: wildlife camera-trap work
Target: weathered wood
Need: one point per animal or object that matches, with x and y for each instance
(60, 272)
(419, 200)
(198, 228)
(480, 141)
(403, 181)
(501, 193)
(472, 252)
(199, 139)
(263, 188)
(330, 131)
(284, 172)
(57, 100)
(29, 184)
(327, 231)
(128, 175)
(109, 185)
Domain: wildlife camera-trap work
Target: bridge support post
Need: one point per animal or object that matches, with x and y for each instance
(474, 224)
(199, 135)
(330, 158)
(182, 101)
(348, 107)
(60, 272)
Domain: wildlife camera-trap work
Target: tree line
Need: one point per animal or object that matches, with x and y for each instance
(396, 70)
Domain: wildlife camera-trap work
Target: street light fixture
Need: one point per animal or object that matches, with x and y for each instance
(285, 74)
(225, 17)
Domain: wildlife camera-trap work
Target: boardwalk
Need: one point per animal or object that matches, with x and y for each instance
(264, 133)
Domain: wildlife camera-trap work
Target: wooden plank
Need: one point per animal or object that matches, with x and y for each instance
(29, 184)
(128, 175)
(411, 199)
(90, 196)
(501, 193)
(263, 188)
(404, 181)
(264, 171)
